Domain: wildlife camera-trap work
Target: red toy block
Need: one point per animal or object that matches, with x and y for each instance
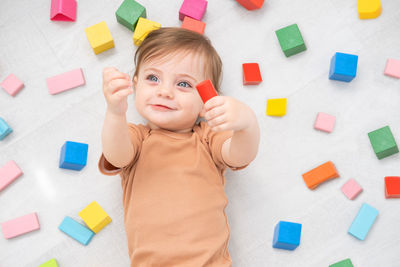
(193, 25)
(206, 90)
(64, 10)
(392, 186)
(251, 74)
(251, 4)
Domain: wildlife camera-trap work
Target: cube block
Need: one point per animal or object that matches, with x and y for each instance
(276, 107)
(5, 129)
(363, 222)
(65, 81)
(351, 189)
(99, 37)
(9, 173)
(193, 8)
(12, 84)
(95, 217)
(129, 13)
(287, 235)
(251, 74)
(143, 28)
(369, 9)
(392, 186)
(20, 225)
(64, 10)
(73, 155)
(206, 90)
(291, 40)
(193, 25)
(343, 263)
(50, 263)
(392, 68)
(251, 4)
(343, 67)
(383, 142)
(76, 230)
(320, 174)
(325, 122)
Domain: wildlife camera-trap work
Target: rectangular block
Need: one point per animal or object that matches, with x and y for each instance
(325, 122)
(320, 174)
(193, 25)
(383, 142)
(99, 37)
(5, 129)
(251, 74)
(76, 230)
(392, 186)
(363, 222)
(369, 9)
(290, 40)
(392, 68)
(129, 13)
(65, 81)
(95, 217)
(343, 263)
(251, 4)
(206, 90)
(50, 263)
(9, 173)
(20, 225)
(351, 189)
(12, 84)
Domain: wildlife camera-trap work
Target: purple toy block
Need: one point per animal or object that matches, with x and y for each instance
(64, 10)
(193, 8)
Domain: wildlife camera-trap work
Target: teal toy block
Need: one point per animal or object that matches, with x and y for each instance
(291, 40)
(76, 230)
(73, 155)
(343, 67)
(343, 263)
(287, 235)
(4, 129)
(383, 142)
(50, 263)
(129, 13)
(363, 222)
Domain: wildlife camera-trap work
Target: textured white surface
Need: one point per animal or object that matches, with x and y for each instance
(270, 189)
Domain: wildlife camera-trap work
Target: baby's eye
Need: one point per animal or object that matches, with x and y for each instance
(152, 78)
(184, 84)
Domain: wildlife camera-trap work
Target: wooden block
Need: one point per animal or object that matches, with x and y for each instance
(9, 173)
(369, 9)
(193, 25)
(99, 37)
(129, 13)
(351, 189)
(276, 107)
(65, 81)
(291, 40)
(392, 187)
(193, 8)
(251, 4)
(95, 217)
(143, 28)
(363, 222)
(5, 129)
(64, 10)
(343, 263)
(383, 142)
(20, 225)
(12, 84)
(325, 122)
(73, 155)
(320, 174)
(287, 235)
(343, 67)
(76, 230)
(50, 263)
(206, 90)
(251, 74)
(392, 68)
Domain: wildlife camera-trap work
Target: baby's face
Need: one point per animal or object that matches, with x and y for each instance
(165, 91)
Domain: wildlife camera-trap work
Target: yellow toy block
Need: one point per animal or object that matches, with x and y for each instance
(95, 217)
(276, 107)
(369, 9)
(99, 37)
(143, 28)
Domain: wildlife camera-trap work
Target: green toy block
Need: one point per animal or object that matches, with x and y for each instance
(129, 13)
(291, 40)
(383, 142)
(343, 263)
(50, 263)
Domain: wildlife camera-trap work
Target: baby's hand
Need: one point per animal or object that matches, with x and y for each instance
(116, 88)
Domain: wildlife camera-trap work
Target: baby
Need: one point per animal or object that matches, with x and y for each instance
(173, 169)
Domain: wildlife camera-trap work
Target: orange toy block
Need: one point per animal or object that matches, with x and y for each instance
(251, 4)
(320, 174)
(392, 186)
(251, 74)
(193, 25)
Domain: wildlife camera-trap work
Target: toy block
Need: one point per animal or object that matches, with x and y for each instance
(9, 173)
(320, 174)
(392, 187)
(99, 37)
(343, 263)
(95, 217)
(5, 129)
(65, 81)
(324, 122)
(392, 68)
(64, 10)
(287, 235)
(383, 142)
(12, 84)
(129, 13)
(343, 67)
(351, 189)
(276, 107)
(193, 25)
(251, 4)
(50, 263)
(363, 222)
(291, 40)
(193, 8)
(206, 90)
(143, 28)
(76, 230)
(251, 74)
(73, 155)
(369, 9)
(20, 225)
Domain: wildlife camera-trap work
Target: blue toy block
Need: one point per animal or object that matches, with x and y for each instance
(363, 221)
(76, 230)
(287, 235)
(343, 67)
(73, 155)
(4, 129)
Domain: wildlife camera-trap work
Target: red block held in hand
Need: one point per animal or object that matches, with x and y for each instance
(206, 90)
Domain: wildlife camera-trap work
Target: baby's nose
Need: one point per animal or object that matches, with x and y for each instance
(165, 91)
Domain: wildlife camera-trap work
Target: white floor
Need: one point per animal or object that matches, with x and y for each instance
(270, 189)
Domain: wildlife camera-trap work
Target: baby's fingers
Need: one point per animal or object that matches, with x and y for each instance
(118, 84)
(123, 93)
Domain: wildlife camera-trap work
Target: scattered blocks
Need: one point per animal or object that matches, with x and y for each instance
(320, 174)
(50, 263)
(251, 74)
(73, 155)
(20, 225)
(8, 173)
(369, 9)
(12, 84)
(4, 129)
(95, 217)
(276, 107)
(76, 230)
(392, 68)
(143, 28)
(193, 8)
(251, 4)
(99, 37)
(383, 142)
(206, 90)
(129, 13)
(287, 235)
(65, 81)
(351, 189)
(343, 263)
(291, 40)
(193, 25)
(363, 222)
(343, 67)
(392, 187)
(325, 122)
(64, 10)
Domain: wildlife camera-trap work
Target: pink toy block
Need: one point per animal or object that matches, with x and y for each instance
(8, 173)
(393, 68)
(351, 189)
(324, 122)
(65, 81)
(64, 10)
(193, 8)
(12, 84)
(20, 225)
